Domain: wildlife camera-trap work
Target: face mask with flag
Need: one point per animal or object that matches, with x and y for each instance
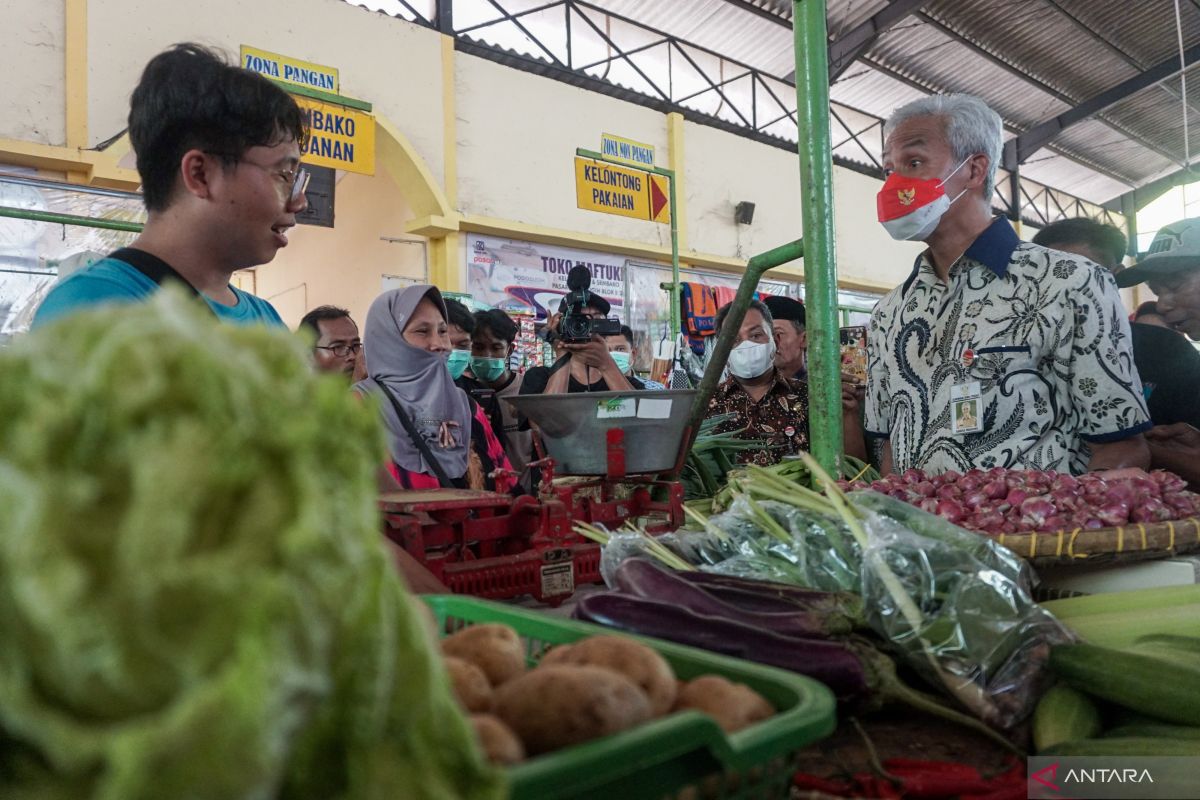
(911, 208)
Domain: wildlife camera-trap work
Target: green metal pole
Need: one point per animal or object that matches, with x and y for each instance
(70, 219)
(755, 268)
(820, 269)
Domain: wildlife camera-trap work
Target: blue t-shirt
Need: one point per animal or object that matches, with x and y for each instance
(112, 280)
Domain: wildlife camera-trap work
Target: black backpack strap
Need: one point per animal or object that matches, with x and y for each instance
(443, 479)
(154, 268)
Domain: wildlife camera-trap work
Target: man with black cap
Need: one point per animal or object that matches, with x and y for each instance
(790, 337)
(791, 350)
(585, 367)
(1171, 270)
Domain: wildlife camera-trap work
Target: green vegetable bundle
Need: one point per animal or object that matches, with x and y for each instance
(712, 458)
(195, 599)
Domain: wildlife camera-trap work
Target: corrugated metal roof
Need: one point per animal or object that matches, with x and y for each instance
(1029, 59)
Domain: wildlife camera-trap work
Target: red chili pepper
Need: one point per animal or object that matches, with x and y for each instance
(931, 779)
(876, 787)
(804, 780)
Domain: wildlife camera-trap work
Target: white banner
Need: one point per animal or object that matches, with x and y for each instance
(521, 276)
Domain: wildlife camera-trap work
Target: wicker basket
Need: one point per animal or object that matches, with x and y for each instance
(1134, 542)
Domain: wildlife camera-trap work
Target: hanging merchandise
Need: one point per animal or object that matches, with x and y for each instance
(527, 347)
(700, 309)
(699, 315)
(724, 295)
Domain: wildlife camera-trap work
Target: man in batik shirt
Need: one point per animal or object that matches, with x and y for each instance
(1031, 343)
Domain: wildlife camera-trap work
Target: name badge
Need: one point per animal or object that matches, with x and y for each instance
(966, 410)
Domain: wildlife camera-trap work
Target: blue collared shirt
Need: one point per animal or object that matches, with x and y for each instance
(1042, 332)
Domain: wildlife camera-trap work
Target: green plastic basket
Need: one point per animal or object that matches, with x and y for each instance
(681, 755)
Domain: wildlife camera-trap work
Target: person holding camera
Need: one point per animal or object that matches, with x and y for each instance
(580, 327)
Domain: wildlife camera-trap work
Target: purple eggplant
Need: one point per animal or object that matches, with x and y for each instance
(783, 591)
(770, 597)
(819, 618)
(834, 664)
(852, 668)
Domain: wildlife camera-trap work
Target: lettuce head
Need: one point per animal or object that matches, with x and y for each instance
(195, 597)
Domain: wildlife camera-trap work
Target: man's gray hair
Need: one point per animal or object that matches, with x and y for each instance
(757, 305)
(971, 127)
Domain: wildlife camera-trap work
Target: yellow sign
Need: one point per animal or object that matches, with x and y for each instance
(338, 137)
(290, 70)
(617, 190)
(626, 150)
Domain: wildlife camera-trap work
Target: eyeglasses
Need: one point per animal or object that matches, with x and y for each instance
(342, 350)
(295, 179)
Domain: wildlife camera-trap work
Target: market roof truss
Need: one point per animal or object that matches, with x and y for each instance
(1039, 135)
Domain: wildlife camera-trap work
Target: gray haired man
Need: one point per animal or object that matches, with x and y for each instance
(994, 352)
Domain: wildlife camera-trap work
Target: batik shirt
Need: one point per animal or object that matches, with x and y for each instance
(779, 418)
(1042, 332)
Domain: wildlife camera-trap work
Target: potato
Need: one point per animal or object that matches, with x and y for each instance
(634, 660)
(471, 686)
(499, 744)
(495, 649)
(560, 705)
(733, 705)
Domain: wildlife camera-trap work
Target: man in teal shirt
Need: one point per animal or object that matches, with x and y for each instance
(221, 180)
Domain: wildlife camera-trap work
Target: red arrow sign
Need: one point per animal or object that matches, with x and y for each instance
(657, 198)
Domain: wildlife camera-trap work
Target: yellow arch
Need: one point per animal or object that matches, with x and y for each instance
(396, 156)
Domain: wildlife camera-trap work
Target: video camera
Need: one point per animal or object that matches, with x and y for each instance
(576, 327)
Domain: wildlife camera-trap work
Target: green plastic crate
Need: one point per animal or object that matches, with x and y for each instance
(681, 755)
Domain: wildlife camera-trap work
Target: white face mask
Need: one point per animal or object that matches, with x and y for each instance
(920, 224)
(751, 359)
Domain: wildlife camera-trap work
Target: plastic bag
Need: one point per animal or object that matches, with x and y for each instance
(979, 635)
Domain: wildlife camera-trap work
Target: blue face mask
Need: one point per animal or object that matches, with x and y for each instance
(488, 370)
(622, 360)
(457, 362)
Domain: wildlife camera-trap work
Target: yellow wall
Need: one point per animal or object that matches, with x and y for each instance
(390, 63)
(32, 103)
(343, 266)
(517, 135)
(723, 169)
(509, 136)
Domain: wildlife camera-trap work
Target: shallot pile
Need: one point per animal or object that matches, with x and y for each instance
(1016, 501)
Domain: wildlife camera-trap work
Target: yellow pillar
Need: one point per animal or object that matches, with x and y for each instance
(75, 18)
(444, 266)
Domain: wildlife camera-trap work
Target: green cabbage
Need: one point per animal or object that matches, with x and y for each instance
(195, 597)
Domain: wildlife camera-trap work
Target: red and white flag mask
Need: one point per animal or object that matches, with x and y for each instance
(911, 208)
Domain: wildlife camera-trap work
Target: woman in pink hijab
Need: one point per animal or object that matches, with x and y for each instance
(437, 435)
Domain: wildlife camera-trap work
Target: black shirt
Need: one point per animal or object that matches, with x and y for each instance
(1170, 371)
(486, 397)
(536, 379)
